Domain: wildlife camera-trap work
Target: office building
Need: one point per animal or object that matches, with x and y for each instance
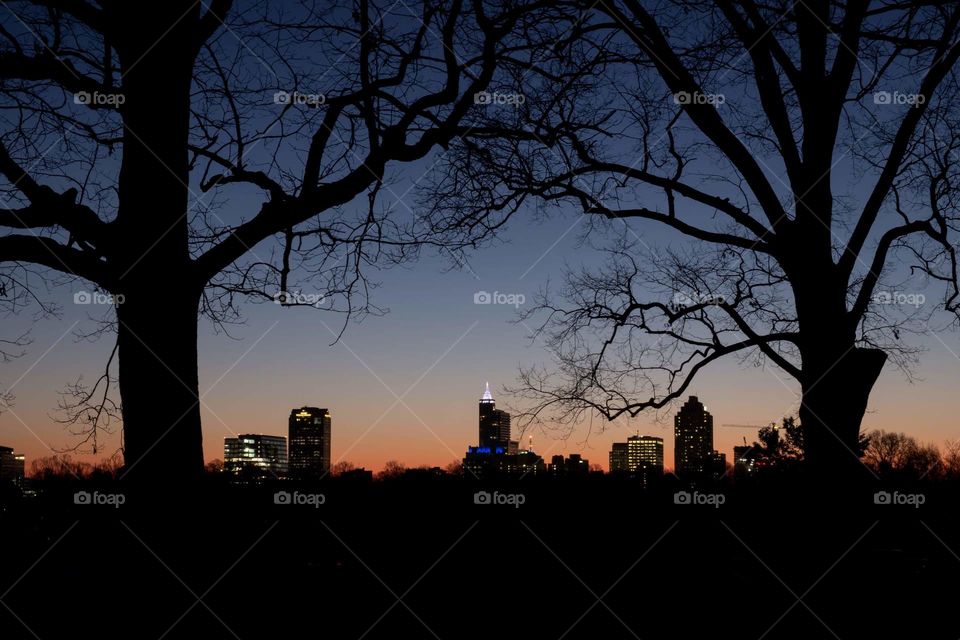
(309, 442)
(645, 453)
(254, 456)
(619, 458)
(11, 466)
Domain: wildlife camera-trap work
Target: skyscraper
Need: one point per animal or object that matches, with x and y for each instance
(309, 432)
(254, 456)
(693, 441)
(496, 454)
(494, 424)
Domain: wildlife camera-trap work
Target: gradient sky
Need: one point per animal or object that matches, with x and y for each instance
(435, 349)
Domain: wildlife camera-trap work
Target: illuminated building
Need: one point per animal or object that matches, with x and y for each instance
(645, 453)
(309, 435)
(744, 460)
(496, 454)
(11, 466)
(494, 423)
(255, 456)
(693, 441)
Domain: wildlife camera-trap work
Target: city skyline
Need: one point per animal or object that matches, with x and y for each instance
(726, 437)
(439, 344)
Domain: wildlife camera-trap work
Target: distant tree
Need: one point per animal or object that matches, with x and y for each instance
(392, 469)
(897, 455)
(58, 468)
(951, 460)
(454, 468)
(214, 466)
(108, 468)
(792, 443)
(341, 467)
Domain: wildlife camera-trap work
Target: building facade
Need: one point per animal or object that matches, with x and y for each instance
(619, 458)
(309, 442)
(255, 456)
(11, 466)
(645, 453)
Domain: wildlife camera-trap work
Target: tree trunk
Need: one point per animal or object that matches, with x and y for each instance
(159, 386)
(157, 319)
(835, 395)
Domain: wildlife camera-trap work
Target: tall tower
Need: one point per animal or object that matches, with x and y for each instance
(494, 424)
(693, 440)
(309, 442)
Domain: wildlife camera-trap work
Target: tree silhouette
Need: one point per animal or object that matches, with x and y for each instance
(897, 455)
(796, 163)
(179, 155)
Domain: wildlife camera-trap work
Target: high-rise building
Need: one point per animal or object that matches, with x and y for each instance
(496, 453)
(11, 466)
(254, 456)
(309, 440)
(645, 453)
(693, 441)
(619, 458)
(494, 424)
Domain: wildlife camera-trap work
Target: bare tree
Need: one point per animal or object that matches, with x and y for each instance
(392, 469)
(796, 163)
(180, 155)
(897, 455)
(339, 468)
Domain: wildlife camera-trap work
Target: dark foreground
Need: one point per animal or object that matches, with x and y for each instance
(420, 559)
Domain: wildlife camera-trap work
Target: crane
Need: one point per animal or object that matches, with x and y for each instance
(748, 426)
